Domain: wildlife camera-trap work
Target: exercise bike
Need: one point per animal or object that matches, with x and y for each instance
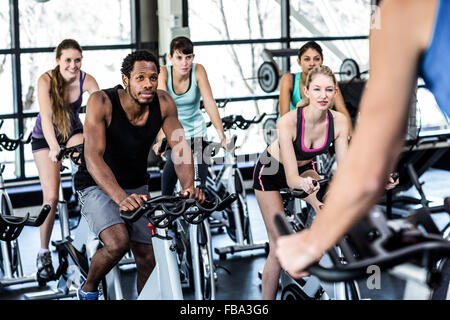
(163, 211)
(11, 226)
(194, 245)
(229, 180)
(311, 288)
(411, 249)
(74, 252)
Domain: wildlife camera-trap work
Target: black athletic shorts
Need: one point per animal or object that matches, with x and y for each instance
(269, 174)
(41, 144)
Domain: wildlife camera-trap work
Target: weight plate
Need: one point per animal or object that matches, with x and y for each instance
(270, 131)
(349, 70)
(268, 77)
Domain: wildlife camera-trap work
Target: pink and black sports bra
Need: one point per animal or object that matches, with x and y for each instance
(301, 151)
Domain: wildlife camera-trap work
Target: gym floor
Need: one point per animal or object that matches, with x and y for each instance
(238, 274)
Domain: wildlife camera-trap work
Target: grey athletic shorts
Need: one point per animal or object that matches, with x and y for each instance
(102, 212)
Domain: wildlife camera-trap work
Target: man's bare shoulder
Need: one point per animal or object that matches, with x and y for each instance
(99, 102)
(165, 99)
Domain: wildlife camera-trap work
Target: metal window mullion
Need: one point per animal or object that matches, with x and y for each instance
(285, 32)
(136, 23)
(17, 83)
(185, 13)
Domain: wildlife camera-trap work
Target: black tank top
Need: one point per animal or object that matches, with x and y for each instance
(127, 146)
(301, 151)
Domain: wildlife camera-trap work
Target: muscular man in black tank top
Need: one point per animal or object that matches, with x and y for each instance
(120, 127)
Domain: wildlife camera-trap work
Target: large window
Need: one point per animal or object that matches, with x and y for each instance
(103, 65)
(99, 22)
(321, 18)
(29, 32)
(234, 19)
(236, 74)
(230, 36)
(5, 25)
(6, 88)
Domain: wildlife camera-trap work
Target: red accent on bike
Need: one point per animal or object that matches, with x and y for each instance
(152, 228)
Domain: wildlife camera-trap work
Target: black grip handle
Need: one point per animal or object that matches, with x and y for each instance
(40, 218)
(260, 118)
(232, 142)
(134, 216)
(447, 204)
(28, 140)
(163, 146)
(226, 202)
(395, 175)
(283, 225)
(299, 193)
(61, 153)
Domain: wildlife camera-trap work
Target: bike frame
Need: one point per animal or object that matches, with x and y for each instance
(227, 176)
(164, 281)
(10, 276)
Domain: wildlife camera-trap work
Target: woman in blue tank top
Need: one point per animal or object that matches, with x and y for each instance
(304, 133)
(291, 88)
(408, 38)
(60, 96)
(187, 83)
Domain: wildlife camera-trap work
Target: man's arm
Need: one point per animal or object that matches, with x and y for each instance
(98, 113)
(162, 85)
(377, 141)
(174, 132)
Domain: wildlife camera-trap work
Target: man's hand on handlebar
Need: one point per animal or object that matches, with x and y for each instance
(193, 193)
(132, 202)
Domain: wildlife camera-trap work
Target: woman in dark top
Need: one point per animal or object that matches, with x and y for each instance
(60, 96)
(304, 133)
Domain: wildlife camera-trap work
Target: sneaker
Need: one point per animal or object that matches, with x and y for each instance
(45, 271)
(81, 295)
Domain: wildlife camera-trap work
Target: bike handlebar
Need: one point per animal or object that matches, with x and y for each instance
(11, 226)
(237, 121)
(383, 255)
(74, 153)
(213, 147)
(299, 193)
(173, 207)
(9, 144)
